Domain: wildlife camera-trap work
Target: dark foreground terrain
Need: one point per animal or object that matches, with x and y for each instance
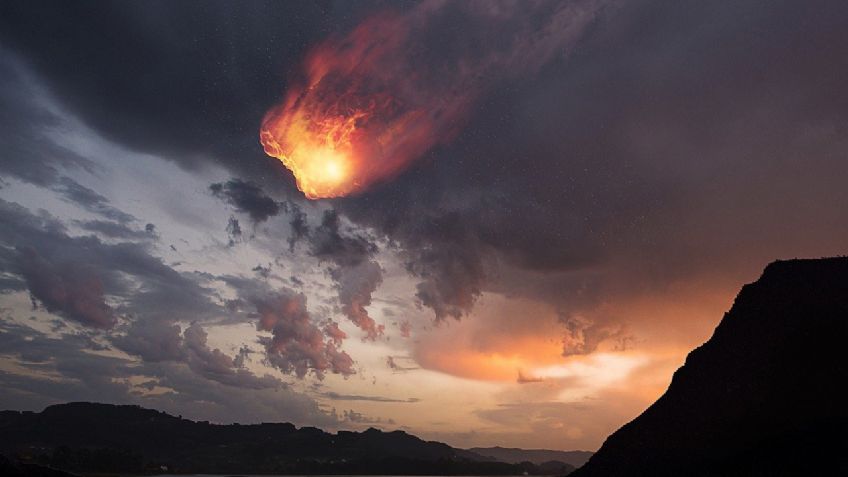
(765, 396)
(11, 468)
(536, 456)
(103, 438)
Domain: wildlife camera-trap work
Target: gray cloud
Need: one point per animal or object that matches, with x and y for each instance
(117, 230)
(329, 243)
(89, 200)
(354, 397)
(91, 377)
(354, 417)
(158, 342)
(298, 224)
(355, 285)
(153, 341)
(356, 275)
(71, 289)
(72, 276)
(215, 365)
(25, 124)
(234, 233)
(247, 198)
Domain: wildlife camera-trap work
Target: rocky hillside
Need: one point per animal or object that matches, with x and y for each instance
(766, 395)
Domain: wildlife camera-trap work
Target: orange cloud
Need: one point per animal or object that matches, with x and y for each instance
(501, 338)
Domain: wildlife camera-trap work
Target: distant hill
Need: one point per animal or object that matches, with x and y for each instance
(104, 438)
(513, 455)
(765, 396)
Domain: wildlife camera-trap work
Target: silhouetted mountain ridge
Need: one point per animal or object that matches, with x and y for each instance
(765, 395)
(92, 437)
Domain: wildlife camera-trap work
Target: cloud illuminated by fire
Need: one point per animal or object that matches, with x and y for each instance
(358, 120)
(371, 102)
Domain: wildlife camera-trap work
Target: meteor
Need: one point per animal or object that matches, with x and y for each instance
(367, 104)
(356, 120)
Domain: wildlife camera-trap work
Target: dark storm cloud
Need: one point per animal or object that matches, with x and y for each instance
(658, 151)
(438, 246)
(247, 198)
(214, 67)
(355, 274)
(329, 243)
(452, 275)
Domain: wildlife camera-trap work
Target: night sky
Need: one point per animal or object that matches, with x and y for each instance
(546, 207)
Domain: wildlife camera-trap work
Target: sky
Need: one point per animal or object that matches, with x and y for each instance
(526, 213)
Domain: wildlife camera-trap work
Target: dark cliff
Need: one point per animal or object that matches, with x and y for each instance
(765, 395)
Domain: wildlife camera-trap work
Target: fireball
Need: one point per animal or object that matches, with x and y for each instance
(320, 154)
(344, 133)
(360, 115)
(366, 105)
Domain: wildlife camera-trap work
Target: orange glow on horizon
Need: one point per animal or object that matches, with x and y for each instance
(504, 364)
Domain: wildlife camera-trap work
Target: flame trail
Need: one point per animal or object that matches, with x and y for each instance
(375, 100)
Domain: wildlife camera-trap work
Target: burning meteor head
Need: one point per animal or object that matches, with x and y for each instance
(373, 101)
(356, 121)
